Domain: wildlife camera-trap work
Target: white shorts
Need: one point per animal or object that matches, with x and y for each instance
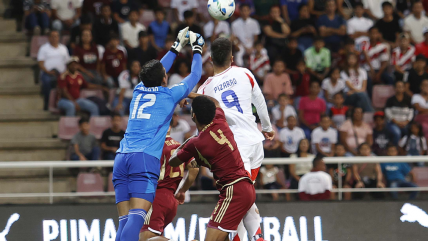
(252, 156)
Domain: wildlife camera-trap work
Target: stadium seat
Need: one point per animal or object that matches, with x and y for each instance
(36, 43)
(368, 118)
(147, 17)
(125, 122)
(68, 127)
(110, 187)
(98, 124)
(420, 175)
(53, 101)
(85, 93)
(90, 182)
(380, 95)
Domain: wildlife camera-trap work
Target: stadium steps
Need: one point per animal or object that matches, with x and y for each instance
(19, 90)
(7, 26)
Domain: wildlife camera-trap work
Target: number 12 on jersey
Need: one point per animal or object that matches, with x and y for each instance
(140, 114)
(234, 102)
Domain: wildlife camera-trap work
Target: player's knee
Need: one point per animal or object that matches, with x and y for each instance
(146, 235)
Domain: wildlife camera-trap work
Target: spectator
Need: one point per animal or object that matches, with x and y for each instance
(290, 54)
(301, 168)
(290, 9)
(318, 60)
(85, 146)
(350, 48)
(128, 79)
(317, 184)
(89, 60)
(278, 82)
(180, 129)
(413, 144)
(262, 8)
(275, 30)
(37, 13)
(93, 7)
(182, 69)
(131, 29)
(270, 180)
(76, 32)
(52, 59)
(316, 8)
(113, 61)
(332, 27)
(381, 135)
(422, 47)
(282, 111)
(403, 57)
(189, 21)
(271, 147)
(358, 26)
(415, 23)
(259, 62)
(396, 174)
(420, 101)
(367, 175)
(144, 52)
(301, 80)
(413, 78)
(66, 14)
(214, 28)
(389, 25)
(105, 26)
(403, 8)
(374, 8)
(338, 111)
(356, 84)
(122, 8)
(303, 28)
(324, 138)
(332, 85)
(355, 132)
(311, 108)
(399, 112)
(246, 30)
(345, 172)
(290, 137)
(69, 85)
(159, 30)
(179, 8)
(110, 140)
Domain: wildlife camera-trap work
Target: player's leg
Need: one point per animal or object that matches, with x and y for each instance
(144, 236)
(216, 235)
(120, 182)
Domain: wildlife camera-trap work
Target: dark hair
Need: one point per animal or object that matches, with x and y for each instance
(390, 145)
(152, 73)
(142, 33)
(133, 11)
(178, 64)
(350, 41)
(113, 36)
(298, 147)
(104, 6)
(324, 116)
(420, 57)
(290, 116)
(398, 81)
(278, 60)
(283, 95)
(115, 114)
(85, 19)
(372, 28)
(386, 4)
(244, 5)
(221, 49)
(83, 120)
(204, 109)
(81, 42)
(292, 39)
(301, 6)
(318, 158)
(361, 146)
(318, 38)
(355, 67)
(339, 93)
(274, 6)
(187, 14)
(358, 4)
(353, 112)
(420, 134)
(332, 70)
(159, 9)
(414, 2)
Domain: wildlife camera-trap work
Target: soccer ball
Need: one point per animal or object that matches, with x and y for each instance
(221, 9)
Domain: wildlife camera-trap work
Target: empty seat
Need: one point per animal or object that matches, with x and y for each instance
(68, 127)
(85, 93)
(98, 124)
(53, 101)
(36, 43)
(381, 93)
(420, 175)
(110, 187)
(90, 182)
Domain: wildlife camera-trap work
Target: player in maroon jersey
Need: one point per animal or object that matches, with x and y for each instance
(216, 149)
(164, 206)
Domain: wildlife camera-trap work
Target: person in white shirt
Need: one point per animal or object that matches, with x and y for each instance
(300, 168)
(332, 85)
(246, 30)
(324, 138)
(317, 184)
(282, 111)
(66, 13)
(131, 29)
(415, 23)
(420, 101)
(290, 137)
(374, 8)
(358, 26)
(52, 59)
(180, 6)
(180, 129)
(128, 79)
(214, 28)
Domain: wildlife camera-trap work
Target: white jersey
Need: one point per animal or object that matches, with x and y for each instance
(236, 89)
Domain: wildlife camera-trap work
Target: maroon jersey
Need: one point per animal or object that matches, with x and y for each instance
(88, 58)
(73, 83)
(216, 149)
(170, 177)
(114, 62)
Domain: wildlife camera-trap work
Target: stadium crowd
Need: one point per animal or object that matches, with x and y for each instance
(321, 65)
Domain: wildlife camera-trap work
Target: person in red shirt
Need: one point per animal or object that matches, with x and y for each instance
(422, 48)
(216, 149)
(113, 61)
(301, 80)
(311, 108)
(69, 85)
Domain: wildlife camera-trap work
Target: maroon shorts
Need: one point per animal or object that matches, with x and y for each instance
(162, 213)
(235, 201)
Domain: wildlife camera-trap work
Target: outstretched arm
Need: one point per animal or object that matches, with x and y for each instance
(168, 60)
(194, 95)
(180, 42)
(191, 177)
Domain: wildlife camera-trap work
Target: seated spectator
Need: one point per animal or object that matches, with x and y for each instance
(131, 29)
(332, 27)
(358, 26)
(105, 26)
(262, 8)
(275, 30)
(278, 82)
(259, 62)
(345, 172)
(207, 179)
(403, 57)
(414, 77)
(182, 69)
(317, 184)
(144, 52)
(301, 80)
(159, 30)
(301, 168)
(282, 111)
(189, 21)
(398, 112)
(37, 13)
(180, 129)
(122, 8)
(290, 54)
(89, 60)
(318, 60)
(413, 144)
(113, 61)
(338, 111)
(396, 174)
(270, 180)
(389, 26)
(52, 59)
(367, 175)
(128, 79)
(311, 108)
(354, 132)
(374, 8)
(422, 47)
(290, 137)
(65, 14)
(214, 28)
(110, 140)
(69, 85)
(271, 147)
(356, 84)
(415, 23)
(420, 101)
(324, 138)
(290, 9)
(303, 28)
(76, 31)
(179, 7)
(350, 48)
(84, 145)
(403, 8)
(332, 85)
(316, 8)
(381, 135)
(93, 7)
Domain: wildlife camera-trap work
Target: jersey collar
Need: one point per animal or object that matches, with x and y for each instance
(223, 72)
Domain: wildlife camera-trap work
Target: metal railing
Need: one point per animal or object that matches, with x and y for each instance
(51, 165)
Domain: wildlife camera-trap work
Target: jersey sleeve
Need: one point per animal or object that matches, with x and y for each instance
(188, 152)
(259, 102)
(183, 89)
(168, 60)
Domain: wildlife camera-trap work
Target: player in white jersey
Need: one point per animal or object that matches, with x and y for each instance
(235, 89)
